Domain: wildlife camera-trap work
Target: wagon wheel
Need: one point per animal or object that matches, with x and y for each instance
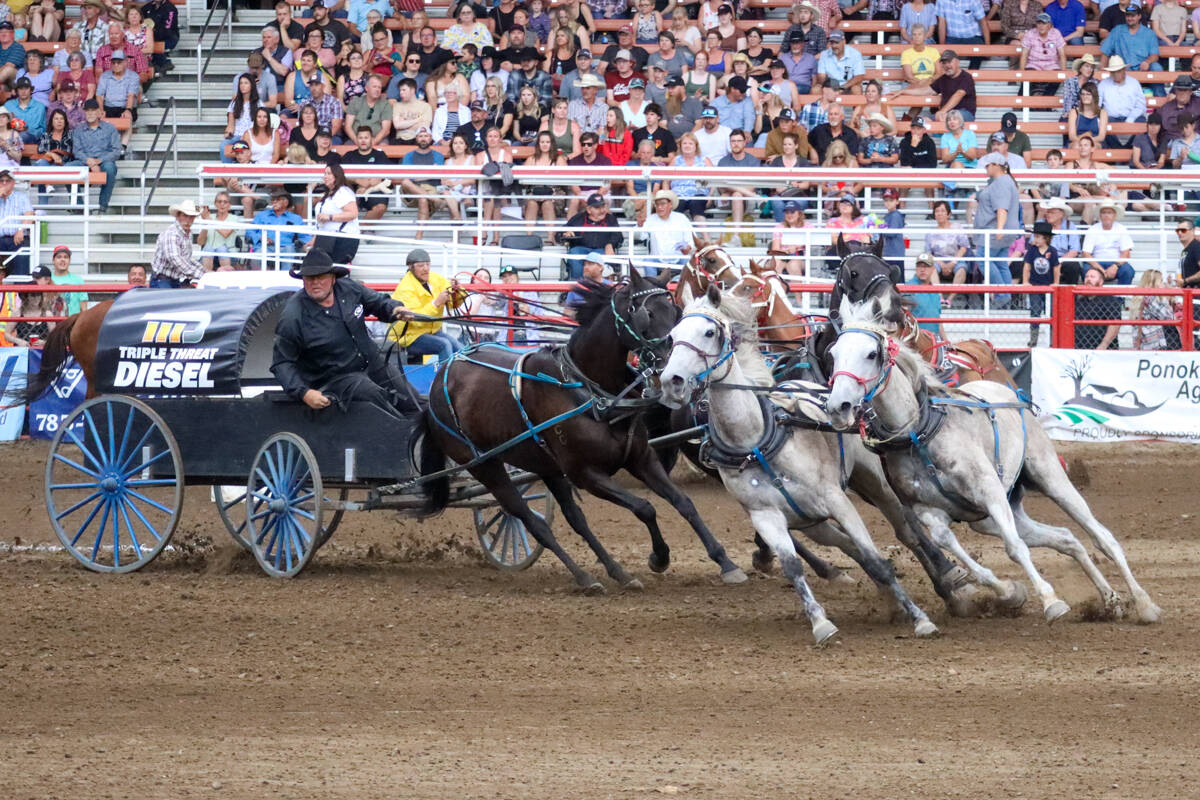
(231, 508)
(114, 484)
(505, 541)
(283, 523)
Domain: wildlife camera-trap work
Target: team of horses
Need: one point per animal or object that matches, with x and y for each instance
(797, 410)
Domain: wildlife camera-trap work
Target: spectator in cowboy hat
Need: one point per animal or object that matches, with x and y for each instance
(1121, 96)
(878, 148)
(1107, 245)
(588, 112)
(672, 237)
(174, 266)
(324, 354)
(1066, 241)
(1183, 100)
(277, 214)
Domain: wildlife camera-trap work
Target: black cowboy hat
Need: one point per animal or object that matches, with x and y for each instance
(317, 262)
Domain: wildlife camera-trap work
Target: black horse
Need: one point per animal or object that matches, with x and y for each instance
(581, 393)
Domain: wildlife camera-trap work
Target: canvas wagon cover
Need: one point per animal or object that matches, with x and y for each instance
(188, 341)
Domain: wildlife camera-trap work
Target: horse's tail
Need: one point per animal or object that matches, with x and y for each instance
(436, 492)
(55, 353)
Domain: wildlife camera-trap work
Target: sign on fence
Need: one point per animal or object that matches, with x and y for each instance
(1110, 396)
(68, 391)
(13, 361)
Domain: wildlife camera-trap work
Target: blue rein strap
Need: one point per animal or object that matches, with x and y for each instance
(765, 464)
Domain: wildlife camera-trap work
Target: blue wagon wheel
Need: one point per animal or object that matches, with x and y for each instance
(507, 544)
(283, 505)
(231, 508)
(114, 484)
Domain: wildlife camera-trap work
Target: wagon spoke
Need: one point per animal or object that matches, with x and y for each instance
(262, 534)
(148, 501)
(137, 546)
(306, 514)
(88, 453)
(87, 522)
(103, 525)
(121, 451)
(87, 415)
(112, 444)
(116, 523)
(132, 470)
(137, 448)
(78, 505)
(137, 511)
(57, 486)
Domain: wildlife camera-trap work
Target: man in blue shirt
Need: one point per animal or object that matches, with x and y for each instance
(1068, 17)
(738, 158)
(840, 63)
(926, 305)
(98, 146)
(734, 109)
(1135, 43)
(31, 112)
(962, 22)
(278, 213)
(427, 193)
(12, 53)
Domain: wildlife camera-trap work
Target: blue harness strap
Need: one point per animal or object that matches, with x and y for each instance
(776, 481)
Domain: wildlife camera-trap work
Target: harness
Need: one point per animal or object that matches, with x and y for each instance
(915, 435)
(713, 277)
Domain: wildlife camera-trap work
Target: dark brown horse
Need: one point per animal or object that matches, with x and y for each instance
(77, 336)
(574, 396)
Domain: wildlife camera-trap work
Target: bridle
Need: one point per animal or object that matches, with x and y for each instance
(726, 346)
(878, 382)
(645, 347)
(727, 263)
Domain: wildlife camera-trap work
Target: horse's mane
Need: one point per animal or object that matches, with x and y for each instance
(596, 298)
(917, 369)
(743, 322)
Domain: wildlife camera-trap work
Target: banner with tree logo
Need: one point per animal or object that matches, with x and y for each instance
(1113, 396)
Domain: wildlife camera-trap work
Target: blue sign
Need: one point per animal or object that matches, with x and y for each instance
(13, 363)
(47, 413)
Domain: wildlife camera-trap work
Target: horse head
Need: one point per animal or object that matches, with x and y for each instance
(714, 264)
(864, 274)
(645, 313)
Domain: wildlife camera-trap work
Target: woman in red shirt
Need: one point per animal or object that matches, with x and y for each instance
(616, 141)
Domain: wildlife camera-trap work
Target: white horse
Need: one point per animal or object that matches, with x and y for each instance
(784, 478)
(966, 455)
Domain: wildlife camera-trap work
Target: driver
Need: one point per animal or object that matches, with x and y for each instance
(323, 351)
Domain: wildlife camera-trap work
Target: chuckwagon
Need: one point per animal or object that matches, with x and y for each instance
(187, 398)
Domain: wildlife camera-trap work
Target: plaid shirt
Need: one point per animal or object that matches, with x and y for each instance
(328, 110)
(135, 59)
(12, 211)
(962, 17)
(589, 120)
(173, 255)
(813, 115)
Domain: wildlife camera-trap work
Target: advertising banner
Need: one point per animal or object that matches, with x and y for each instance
(1111, 396)
(47, 412)
(13, 366)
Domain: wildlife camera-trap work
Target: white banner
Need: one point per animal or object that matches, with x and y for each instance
(1113, 396)
(14, 363)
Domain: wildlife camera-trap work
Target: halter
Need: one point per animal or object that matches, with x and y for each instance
(644, 346)
(725, 350)
(879, 381)
(713, 277)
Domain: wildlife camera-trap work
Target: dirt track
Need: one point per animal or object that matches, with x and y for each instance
(398, 666)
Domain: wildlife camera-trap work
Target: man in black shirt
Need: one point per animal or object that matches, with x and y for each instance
(664, 143)
(291, 32)
(585, 233)
(1189, 259)
(476, 130)
(324, 153)
(608, 61)
(324, 353)
(826, 133)
(335, 32)
(427, 48)
(371, 203)
(510, 57)
(166, 29)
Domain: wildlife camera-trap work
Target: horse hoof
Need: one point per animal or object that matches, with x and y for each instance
(961, 602)
(633, 585)
(1015, 596)
(657, 564)
(926, 628)
(823, 631)
(1149, 613)
(593, 589)
(956, 577)
(734, 576)
(1056, 610)
(764, 562)
(838, 576)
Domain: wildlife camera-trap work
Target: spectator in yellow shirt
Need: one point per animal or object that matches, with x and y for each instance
(426, 294)
(920, 63)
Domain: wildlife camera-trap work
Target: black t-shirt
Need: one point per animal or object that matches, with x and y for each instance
(1114, 15)
(821, 137)
(476, 139)
(332, 157)
(664, 142)
(503, 20)
(295, 29)
(945, 86)
(430, 61)
(1189, 260)
(335, 33)
(1106, 307)
(640, 57)
(921, 156)
(376, 156)
(1041, 265)
(308, 143)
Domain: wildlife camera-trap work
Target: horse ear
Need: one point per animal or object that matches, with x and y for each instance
(714, 295)
(697, 243)
(635, 277)
(840, 246)
(663, 279)
(755, 269)
(877, 247)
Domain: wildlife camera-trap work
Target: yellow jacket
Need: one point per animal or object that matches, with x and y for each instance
(419, 300)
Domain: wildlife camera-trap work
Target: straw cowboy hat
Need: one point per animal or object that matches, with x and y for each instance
(667, 194)
(1116, 64)
(1110, 203)
(1057, 203)
(590, 80)
(1086, 58)
(187, 207)
(882, 120)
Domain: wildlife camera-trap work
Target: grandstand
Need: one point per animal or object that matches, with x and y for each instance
(182, 118)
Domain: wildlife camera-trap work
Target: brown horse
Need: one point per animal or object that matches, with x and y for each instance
(76, 336)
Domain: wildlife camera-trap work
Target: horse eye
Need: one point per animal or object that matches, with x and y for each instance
(872, 356)
(708, 334)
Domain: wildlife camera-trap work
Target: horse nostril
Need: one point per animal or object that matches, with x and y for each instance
(845, 409)
(677, 380)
